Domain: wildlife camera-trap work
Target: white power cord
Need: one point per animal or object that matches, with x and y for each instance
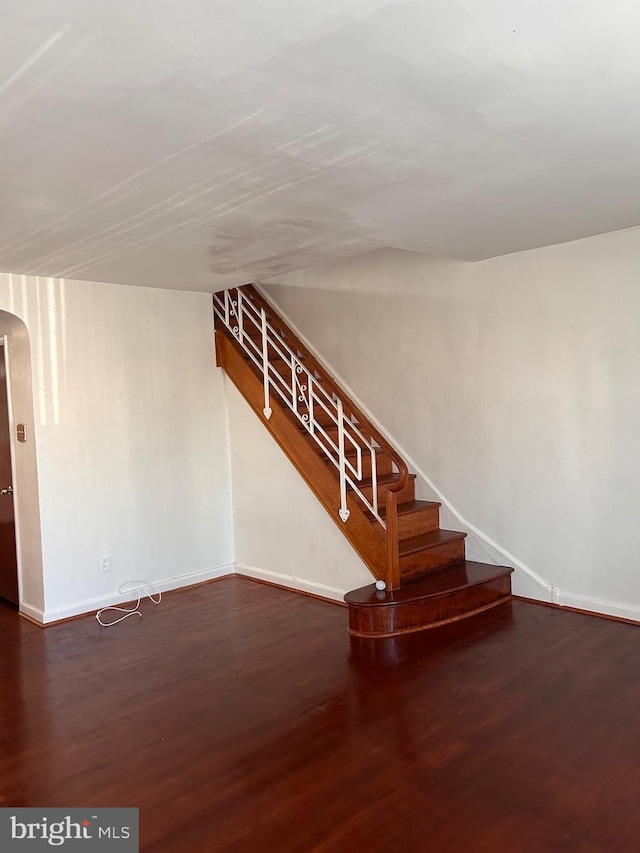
(143, 588)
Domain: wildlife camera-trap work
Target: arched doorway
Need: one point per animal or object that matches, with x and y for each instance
(24, 472)
(8, 552)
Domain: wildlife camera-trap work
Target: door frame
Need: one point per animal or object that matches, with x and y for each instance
(26, 498)
(4, 362)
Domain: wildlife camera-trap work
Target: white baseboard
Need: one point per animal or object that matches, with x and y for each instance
(597, 605)
(300, 584)
(34, 613)
(90, 605)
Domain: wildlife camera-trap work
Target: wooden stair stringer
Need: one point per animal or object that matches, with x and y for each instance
(304, 457)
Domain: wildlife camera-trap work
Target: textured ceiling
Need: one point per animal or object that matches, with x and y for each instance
(190, 144)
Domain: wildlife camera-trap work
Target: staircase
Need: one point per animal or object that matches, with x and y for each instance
(423, 578)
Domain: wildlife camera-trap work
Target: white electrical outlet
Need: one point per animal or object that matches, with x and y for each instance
(105, 564)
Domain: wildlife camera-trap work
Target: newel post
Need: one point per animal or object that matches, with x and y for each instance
(393, 546)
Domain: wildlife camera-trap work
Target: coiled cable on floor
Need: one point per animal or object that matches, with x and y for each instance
(143, 588)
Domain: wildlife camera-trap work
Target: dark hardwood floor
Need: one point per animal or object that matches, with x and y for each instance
(240, 717)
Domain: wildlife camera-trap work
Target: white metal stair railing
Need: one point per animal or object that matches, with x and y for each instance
(301, 392)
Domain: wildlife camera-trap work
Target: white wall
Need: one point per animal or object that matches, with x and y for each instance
(514, 384)
(131, 438)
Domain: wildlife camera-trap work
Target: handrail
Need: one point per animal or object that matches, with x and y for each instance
(403, 471)
(306, 385)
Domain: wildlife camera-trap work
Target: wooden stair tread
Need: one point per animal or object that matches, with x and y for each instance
(382, 479)
(414, 544)
(453, 578)
(329, 427)
(407, 508)
(352, 453)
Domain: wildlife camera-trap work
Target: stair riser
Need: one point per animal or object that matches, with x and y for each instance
(410, 616)
(419, 522)
(414, 565)
(284, 383)
(323, 418)
(282, 367)
(414, 523)
(320, 417)
(383, 464)
(351, 438)
(408, 493)
(253, 341)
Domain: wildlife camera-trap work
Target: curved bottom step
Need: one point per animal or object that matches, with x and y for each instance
(446, 595)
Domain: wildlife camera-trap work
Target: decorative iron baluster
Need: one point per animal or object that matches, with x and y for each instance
(374, 481)
(294, 381)
(300, 388)
(265, 364)
(240, 316)
(310, 405)
(307, 389)
(344, 511)
(233, 312)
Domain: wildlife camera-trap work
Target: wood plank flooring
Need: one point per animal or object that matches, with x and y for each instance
(243, 719)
